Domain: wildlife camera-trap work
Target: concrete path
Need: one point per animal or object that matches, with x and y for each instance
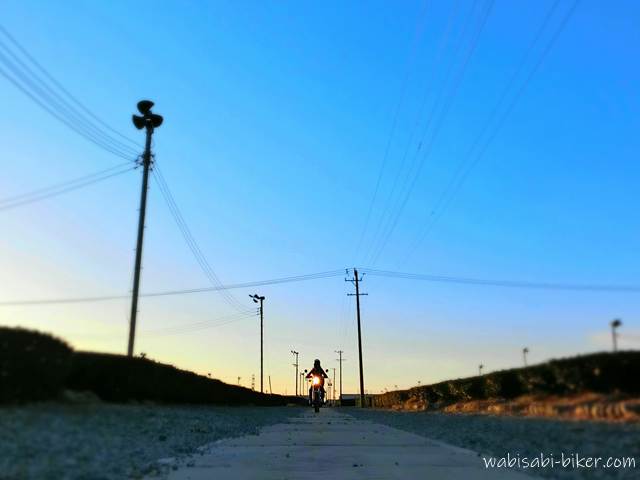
(335, 446)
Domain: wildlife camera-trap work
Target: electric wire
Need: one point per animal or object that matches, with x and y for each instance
(61, 87)
(21, 70)
(440, 121)
(195, 327)
(61, 118)
(469, 163)
(192, 243)
(504, 283)
(43, 94)
(104, 298)
(431, 78)
(63, 187)
(394, 122)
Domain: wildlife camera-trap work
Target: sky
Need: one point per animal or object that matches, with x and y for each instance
(305, 137)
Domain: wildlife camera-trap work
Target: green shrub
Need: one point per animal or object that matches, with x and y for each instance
(33, 366)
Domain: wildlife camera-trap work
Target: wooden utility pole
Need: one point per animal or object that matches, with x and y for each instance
(296, 365)
(258, 299)
(340, 360)
(150, 122)
(334, 384)
(356, 281)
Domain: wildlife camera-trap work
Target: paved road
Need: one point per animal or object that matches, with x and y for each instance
(334, 445)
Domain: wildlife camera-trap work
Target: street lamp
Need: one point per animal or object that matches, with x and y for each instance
(615, 324)
(525, 350)
(258, 299)
(480, 367)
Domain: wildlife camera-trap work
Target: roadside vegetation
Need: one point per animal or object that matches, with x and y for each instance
(35, 366)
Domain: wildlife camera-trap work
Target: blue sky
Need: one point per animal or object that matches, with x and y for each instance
(277, 119)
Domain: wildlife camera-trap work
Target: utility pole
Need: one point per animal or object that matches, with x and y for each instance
(296, 365)
(253, 381)
(525, 350)
(270, 389)
(149, 121)
(302, 383)
(356, 281)
(334, 385)
(615, 324)
(480, 367)
(340, 360)
(258, 299)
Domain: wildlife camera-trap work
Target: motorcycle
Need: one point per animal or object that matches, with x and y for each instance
(317, 396)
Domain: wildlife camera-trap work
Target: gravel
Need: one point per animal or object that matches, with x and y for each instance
(104, 442)
(496, 436)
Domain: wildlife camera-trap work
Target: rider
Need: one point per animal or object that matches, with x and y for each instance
(321, 374)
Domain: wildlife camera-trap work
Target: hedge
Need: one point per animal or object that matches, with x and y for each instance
(599, 372)
(117, 378)
(33, 366)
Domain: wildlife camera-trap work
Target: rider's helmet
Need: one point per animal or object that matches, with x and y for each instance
(316, 363)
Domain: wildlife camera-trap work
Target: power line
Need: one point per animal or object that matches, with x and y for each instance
(61, 118)
(183, 329)
(437, 59)
(105, 298)
(52, 96)
(42, 93)
(394, 122)
(196, 327)
(192, 243)
(63, 187)
(504, 283)
(468, 163)
(394, 218)
(423, 104)
(60, 87)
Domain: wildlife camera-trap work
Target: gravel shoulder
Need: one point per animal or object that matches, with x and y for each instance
(497, 436)
(106, 441)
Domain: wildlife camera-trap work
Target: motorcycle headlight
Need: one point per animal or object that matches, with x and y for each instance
(316, 380)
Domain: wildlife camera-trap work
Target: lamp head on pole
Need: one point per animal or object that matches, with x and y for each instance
(148, 119)
(257, 298)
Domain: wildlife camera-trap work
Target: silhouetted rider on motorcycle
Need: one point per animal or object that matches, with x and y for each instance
(317, 371)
